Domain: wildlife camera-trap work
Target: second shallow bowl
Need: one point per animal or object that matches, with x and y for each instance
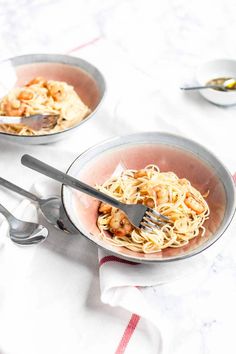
(86, 79)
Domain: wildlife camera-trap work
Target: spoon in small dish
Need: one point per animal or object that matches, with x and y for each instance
(24, 232)
(228, 85)
(51, 208)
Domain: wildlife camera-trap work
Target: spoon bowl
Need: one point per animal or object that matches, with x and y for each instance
(24, 232)
(53, 211)
(51, 207)
(31, 241)
(230, 84)
(227, 85)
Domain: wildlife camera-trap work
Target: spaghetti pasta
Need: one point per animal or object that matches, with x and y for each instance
(171, 196)
(44, 97)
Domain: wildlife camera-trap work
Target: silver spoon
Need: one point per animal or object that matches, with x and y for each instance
(51, 208)
(224, 87)
(24, 232)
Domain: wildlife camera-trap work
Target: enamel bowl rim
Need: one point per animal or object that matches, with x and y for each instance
(144, 137)
(56, 58)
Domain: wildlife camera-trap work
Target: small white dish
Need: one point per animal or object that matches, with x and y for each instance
(214, 69)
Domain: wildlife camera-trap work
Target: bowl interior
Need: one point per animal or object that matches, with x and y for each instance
(86, 79)
(95, 167)
(83, 83)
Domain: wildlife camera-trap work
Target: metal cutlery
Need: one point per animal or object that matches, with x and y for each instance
(139, 215)
(51, 208)
(227, 85)
(35, 121)
(24, 232)
(218, 87)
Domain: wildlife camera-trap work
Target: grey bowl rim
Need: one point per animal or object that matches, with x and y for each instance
(171, 259)
(22, 137)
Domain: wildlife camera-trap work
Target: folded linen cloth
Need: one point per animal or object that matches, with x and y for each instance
(55, 287)
(49, 297)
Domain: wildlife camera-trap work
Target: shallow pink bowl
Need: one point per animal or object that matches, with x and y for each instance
(86, 79)
(171, 153)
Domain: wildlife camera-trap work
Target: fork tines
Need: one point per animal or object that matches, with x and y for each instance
(152, 219)
(50, 120)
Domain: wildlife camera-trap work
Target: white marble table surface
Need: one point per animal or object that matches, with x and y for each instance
(143, 43)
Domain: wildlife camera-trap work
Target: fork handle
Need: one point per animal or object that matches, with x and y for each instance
(10, 120)
(59, 176)
(17, 189)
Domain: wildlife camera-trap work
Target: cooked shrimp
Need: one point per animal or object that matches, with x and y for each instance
(140, 173)
(14, 108)
(37, 80)
(193, 204)
(162, 195)
(144, 192)
(149, 202)
(119, 224)
(56, 90)
(104, 208)
(25, 95)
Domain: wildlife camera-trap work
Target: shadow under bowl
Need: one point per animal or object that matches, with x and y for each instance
(174, 153)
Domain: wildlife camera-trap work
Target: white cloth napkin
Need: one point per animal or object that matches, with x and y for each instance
(39, 285)
(50, 298)
(125, 284)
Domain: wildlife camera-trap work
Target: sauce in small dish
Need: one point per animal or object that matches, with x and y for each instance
(209, 72)
(231, 85)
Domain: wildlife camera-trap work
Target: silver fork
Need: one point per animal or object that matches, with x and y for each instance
(139, 215)
(35, 121)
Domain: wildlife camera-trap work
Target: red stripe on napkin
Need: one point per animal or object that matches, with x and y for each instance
(114, 259)
(127, 334)
(84, 45)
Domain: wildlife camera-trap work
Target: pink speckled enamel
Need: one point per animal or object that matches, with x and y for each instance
(168, 158)
(82, 82)
(86, 79)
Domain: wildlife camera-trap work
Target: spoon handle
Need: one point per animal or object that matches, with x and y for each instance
(17, 189)
(201, 87)
(59, 176)
(5, 212)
